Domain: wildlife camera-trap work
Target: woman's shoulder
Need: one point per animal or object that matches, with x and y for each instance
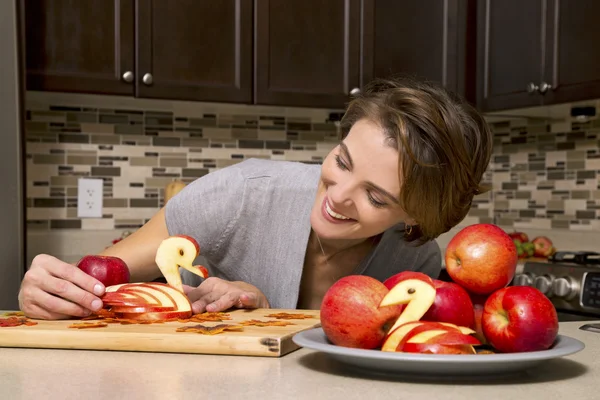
(258, 168)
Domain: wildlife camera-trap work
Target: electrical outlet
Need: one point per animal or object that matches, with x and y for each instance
(89, 198)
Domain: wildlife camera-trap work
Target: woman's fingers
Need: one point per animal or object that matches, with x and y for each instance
(56, 306)
(78, 299)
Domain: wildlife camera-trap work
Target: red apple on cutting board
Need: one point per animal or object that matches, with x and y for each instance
(350, 312)
(481, 258)
(107, 269)
(519, 319)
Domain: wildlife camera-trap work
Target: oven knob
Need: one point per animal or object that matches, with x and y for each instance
(525, 279)
(544, 284)
(564, 287)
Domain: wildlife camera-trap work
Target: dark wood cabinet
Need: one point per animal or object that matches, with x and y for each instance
(572, 56)
(194, 50)
(307, 51)
(537, 52)
(511, 41)
(428, 39)
(191, 50)
(76, 47)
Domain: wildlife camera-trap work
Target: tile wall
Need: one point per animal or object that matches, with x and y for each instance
(544, 172)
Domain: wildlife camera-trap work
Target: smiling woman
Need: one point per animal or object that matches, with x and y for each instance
(279, 234)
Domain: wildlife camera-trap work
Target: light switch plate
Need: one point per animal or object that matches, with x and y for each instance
(89, 198)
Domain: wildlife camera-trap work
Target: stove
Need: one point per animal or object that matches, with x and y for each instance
(570, 279)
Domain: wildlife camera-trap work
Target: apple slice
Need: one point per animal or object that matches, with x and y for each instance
(178, 251)
(163, 297)
(436, 348)
(182, 303)
(140, 309)
(394, 337)
(114, 288)
(150, 298)
(417, 292)
(156, 316)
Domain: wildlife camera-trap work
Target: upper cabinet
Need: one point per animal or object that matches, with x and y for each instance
(307, 51)
(499, 54)
(312, 53)
(193, 50)
(536, 52)
(79, 47)
(429, 39)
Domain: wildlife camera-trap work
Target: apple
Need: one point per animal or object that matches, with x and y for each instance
(519, 319)
(520, 236)
(542, 247)
(395, 338)
(440, 340)
(478, 303)
(436, 348)
(351, 315)
(481, 258)
(178, 251)
(400, 276)
(432, 329)
(452, 304)
(109, 270)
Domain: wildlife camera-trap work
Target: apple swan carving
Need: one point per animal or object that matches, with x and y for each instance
(178, 251)
(417, 292)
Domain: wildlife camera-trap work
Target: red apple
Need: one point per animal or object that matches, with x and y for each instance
(478, 303)
(519, 319)
(107, 269)
(520, 236)
(350, 312)
(401, 276)
(452, 304)
(481, 258)
(543, 247)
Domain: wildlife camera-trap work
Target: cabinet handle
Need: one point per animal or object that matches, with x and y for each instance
(147, 79)
(354, 91)
(128, 76)
(532, 87)
(544, 87)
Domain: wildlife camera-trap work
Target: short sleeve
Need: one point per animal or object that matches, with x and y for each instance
(207, 209)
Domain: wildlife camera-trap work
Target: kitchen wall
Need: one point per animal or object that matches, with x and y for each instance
(544, 172)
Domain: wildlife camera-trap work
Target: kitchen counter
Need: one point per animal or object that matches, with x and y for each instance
(303, 374)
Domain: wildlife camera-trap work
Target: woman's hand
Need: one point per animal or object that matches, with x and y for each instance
(215, 294)
(53, 289)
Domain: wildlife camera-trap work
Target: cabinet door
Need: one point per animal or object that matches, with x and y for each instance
(79, 46)
(573, 56)
(307, 52)
(428, 39)
(195, 50)
(510, 52)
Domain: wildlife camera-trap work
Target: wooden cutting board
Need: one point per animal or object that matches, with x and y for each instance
(267, 341)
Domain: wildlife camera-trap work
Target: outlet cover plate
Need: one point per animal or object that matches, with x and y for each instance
(89, 198)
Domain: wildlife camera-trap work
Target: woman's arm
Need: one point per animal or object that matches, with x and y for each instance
(139, 249)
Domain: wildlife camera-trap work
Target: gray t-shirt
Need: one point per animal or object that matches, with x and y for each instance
(252, 222)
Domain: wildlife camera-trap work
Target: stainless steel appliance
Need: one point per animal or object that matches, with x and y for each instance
(12, 188)
(571, 280)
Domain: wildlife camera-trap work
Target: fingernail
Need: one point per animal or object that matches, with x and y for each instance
(96, 304)
(98, 289)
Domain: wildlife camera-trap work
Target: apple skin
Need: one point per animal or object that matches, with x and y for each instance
(437, 348)
(519, 319)
(109, 270)
(350, 313)
(452, 304)
(520, 236)
(481, 258)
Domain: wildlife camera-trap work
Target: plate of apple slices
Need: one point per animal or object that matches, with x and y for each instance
(357, 311)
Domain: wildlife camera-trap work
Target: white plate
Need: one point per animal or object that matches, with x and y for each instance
(436, 364)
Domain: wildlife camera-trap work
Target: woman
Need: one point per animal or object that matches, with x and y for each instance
(279, 234)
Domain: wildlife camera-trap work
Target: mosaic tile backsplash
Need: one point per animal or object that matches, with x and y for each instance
(544, 173)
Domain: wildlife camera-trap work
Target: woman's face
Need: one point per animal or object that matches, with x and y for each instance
(359, 187)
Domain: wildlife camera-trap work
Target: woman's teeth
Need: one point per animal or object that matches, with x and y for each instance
(333, 213)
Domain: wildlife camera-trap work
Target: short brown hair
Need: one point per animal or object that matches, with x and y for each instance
(444, 148)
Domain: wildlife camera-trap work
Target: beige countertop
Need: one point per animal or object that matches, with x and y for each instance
(303, 374)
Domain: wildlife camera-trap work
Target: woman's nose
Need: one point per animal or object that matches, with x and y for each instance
(340, 195)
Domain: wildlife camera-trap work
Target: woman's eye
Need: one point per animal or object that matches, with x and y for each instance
(375, 202)
(340, 163)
